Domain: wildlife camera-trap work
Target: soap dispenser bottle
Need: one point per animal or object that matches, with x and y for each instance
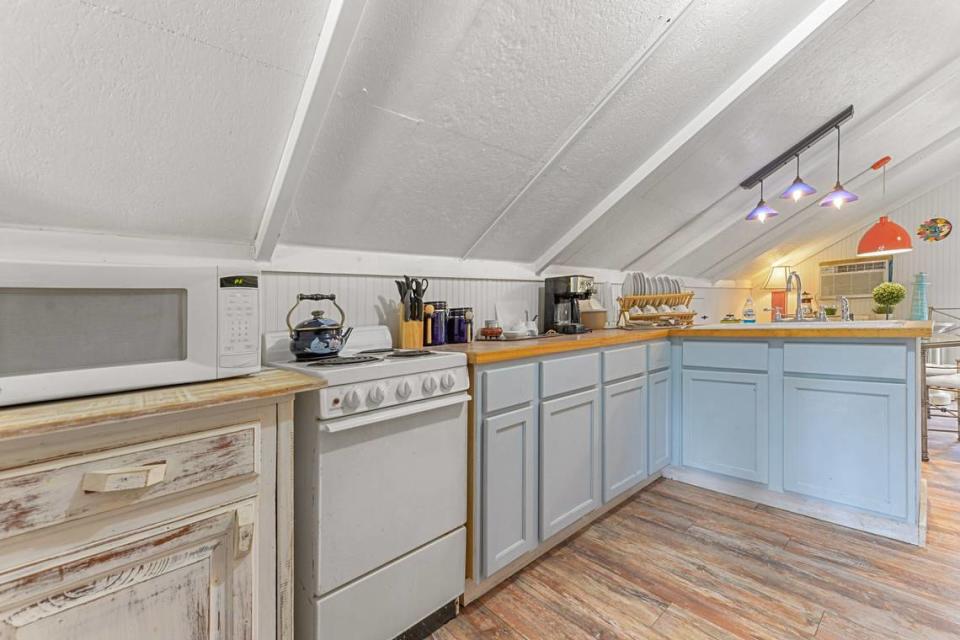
(749, 314)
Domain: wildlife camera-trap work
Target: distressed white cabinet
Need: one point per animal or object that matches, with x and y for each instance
(659, 392)
(509, 487)
(190, 580)
(825, 420)
(150, 515)
(725, 422)
(624, 435)
(569, 459)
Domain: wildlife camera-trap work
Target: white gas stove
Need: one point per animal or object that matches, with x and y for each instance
(370, 375)
(380, 472)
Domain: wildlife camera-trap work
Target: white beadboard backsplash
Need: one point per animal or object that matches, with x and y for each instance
(374, 299)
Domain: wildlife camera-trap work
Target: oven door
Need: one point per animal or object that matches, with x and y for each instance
(386, 486)
(74, 330)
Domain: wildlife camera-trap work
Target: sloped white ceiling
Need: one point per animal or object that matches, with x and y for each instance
(688, 217)
(148, 117)
(490, 129)
(446, 111)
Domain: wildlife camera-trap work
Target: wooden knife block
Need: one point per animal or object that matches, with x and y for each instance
(410, 335)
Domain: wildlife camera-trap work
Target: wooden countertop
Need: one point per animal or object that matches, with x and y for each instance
(486, 352)
(909, 329)
(49, 416)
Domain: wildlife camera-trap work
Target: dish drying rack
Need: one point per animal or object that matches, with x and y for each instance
(670, 299)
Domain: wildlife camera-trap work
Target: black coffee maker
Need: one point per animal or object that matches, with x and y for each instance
(561, 303)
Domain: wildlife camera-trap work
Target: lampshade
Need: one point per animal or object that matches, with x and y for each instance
(884, 238)
(838, 197)
(762, 211)
(797, 190)
(777, 279)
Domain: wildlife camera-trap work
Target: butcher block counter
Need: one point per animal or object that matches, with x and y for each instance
(490, 351)
(119, 513)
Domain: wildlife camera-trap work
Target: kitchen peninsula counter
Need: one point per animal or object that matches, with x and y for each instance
(482, 352)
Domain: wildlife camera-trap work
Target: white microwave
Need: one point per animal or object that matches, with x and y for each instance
(71, 330)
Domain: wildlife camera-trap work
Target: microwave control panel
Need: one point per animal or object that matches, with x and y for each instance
(239, 301)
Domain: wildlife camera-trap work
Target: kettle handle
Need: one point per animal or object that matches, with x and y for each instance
(315, 296)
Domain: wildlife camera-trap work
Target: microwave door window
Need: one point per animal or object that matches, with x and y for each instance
(46, 330)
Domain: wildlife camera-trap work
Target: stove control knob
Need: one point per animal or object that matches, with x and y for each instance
(352, 399)
(447, 381)
(404, 390)
(375, 395)
(429, 385)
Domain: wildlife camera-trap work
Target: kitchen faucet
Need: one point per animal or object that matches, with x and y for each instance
(844, 309)
(794, 275)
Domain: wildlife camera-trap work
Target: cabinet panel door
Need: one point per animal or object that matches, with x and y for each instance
(825, 420)
(509, 488)
(725, 423)
(569, 460)
(660, 419)
(624, 436)
(192, 580)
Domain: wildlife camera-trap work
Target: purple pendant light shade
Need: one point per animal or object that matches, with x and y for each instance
(839, 196)
(762, 211)
(798, 189)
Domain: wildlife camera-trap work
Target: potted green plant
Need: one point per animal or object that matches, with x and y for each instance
(886, 296)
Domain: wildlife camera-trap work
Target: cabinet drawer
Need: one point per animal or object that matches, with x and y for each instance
(853, 360)
(725, 354)
(508, 387)
(658, 355)
(569, 374)
(47, 494)
(624, 363)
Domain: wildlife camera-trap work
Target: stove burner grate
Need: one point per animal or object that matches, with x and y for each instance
(410, 353)
(338, 360)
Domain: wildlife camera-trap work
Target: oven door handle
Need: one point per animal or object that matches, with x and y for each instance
(390, 413)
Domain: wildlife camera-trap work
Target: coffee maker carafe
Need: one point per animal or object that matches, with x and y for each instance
(561, 303)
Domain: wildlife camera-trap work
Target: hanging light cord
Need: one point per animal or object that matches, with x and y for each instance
(838, 154)
(798, 166)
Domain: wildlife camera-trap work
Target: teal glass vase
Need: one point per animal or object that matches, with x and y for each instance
(918, 304)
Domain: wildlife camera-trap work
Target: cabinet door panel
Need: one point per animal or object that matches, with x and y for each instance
(569, 460)
(825, 420)
(191, 580)
(624, 436)
(509, 488)
(659, 425)
(725, 423)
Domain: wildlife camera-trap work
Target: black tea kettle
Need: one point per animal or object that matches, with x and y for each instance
(317, 337)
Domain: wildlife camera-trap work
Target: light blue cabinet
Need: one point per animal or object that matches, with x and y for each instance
(844, 441)
(624, 435)
(725, 423)
(660, 417)
(509, 491)
(569, 459)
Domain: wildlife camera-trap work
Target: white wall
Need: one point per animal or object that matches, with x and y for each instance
(371, 299)
(940, 260)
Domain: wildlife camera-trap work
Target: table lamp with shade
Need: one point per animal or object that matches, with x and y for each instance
(777, 284)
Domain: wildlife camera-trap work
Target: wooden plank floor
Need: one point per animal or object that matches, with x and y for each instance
(681, 562)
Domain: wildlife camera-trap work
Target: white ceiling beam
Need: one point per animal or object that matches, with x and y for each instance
(710, 222)
(333, 45)
(622, 77)
(771, 59)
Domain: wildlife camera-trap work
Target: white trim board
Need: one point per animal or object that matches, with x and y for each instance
(849, 517)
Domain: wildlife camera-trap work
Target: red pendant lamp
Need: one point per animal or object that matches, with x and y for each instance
(885, 237)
